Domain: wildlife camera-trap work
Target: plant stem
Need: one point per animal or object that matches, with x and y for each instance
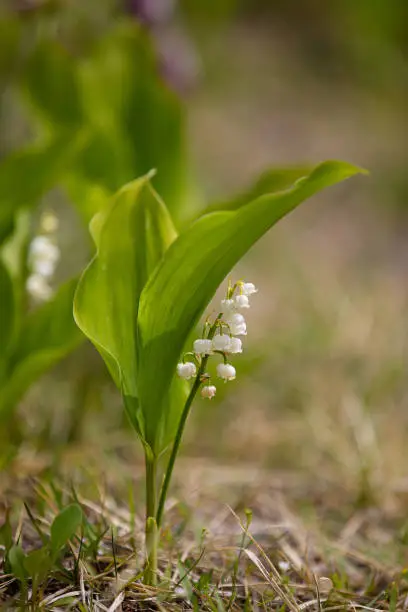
(151, 530)
(180, 430)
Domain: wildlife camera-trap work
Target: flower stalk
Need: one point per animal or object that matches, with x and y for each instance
(214, 341)
(151, 530)
(180, 429)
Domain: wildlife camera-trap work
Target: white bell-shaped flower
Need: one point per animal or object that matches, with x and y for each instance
(208, 391)
(38, 288)
(235, 346)
(241, 301)
(237, 324)
(186, 370)
(227, 305)
(44, 268)
(226, 371)
(249, 289)
(221, 342)
(202, 346)
(43, 249)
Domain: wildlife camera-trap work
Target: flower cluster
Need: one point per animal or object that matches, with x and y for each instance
(43, 257)
(219, 337)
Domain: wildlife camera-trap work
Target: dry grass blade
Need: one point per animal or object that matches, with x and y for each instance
(117, 602)
(283, 594)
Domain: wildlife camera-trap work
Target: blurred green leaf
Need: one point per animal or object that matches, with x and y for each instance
(188, 276)
(137, 122)
(6, 227)
(6, 534)
(38, 563)
(10, 28)
(131, 236)
(47, 334)
(51, 82)
(64, 526)
(27, 175)
(6, 312)
(16, 559)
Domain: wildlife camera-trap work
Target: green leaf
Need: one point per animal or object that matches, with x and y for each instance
(183, 284)
(137, 122)
(131, 236)
(6, 311)
(27, 175)
(51, 82)
(6, 534)
(38, 563)
(16, 559)
(64, 526)
(47, 335)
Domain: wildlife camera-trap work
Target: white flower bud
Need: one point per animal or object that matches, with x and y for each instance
(38, 288)
(249, 289)
(186, 370)
(235, 346)
(202, 346)
(241, 301)
(49, 222)
(226, 371)
(227, 305)
(221, 342)
(208, 391)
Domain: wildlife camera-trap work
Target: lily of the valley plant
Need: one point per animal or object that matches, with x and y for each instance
(142, 295)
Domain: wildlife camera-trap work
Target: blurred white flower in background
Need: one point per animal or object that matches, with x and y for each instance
(43, 258)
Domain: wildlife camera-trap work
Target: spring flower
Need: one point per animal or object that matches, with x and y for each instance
(44, 268)
(228, 305)
(38, 288)
(186, 370)
(43, 249)
(241, 301)
(236, 324)
(208, 391)
(249, 289)
(226, 371)
(202, 346)
(221, 342)
(235, 346)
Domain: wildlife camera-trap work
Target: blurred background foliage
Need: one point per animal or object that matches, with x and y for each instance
(94, 94)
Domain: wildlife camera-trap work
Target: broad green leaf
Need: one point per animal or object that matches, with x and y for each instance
(51, 82)
(188, 276)
(27, 175)
(131, 236)
(6, 312)
(16, 558)
(137, 121)
(47, 335)
(64, 526)
(38, 563)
